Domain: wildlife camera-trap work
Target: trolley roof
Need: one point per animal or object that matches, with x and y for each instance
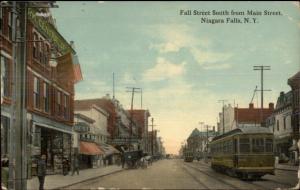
(245, 130)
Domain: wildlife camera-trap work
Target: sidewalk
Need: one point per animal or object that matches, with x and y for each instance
(61, 181)
(286, 167)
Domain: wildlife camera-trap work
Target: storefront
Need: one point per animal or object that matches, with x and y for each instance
(52, 139)
(89, 155)
(282, 146)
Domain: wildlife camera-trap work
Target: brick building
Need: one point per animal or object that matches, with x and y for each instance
(49, 90)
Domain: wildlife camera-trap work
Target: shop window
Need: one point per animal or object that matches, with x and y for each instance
(4, 135)
(36, 93)
(244, 145)
(46, 97)
(269, 145)
(5, 75)
(257, 145)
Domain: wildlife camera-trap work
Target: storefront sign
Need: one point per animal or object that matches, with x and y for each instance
(121, 141)
(49, 30)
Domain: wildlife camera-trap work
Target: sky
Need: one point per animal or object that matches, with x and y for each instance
(182, 65)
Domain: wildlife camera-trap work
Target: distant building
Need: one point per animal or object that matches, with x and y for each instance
(247, 117)
(198, 141)
(84, 142)
(140, 117)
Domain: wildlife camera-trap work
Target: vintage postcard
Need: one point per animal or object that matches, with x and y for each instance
(150, 95)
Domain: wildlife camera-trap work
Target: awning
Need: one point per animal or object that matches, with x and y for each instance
(108, 149)
(89, 148)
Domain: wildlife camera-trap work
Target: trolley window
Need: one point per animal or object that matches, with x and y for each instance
(269, 145)
(257, 145)
(244, 145)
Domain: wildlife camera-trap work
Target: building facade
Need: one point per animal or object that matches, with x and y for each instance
(282, 126)
(49, 90)
(294, 83)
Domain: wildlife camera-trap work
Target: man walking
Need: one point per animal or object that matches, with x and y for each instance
(41, 172)
(75, 165)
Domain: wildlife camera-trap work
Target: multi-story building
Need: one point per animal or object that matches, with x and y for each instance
(86, 148)
(281, 124)
(198, 142)
(49, 89)
(121, 131)
(243, 117)
(294, 83)
(140, 117)
(229, 121)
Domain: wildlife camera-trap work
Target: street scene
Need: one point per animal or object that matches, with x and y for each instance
(150, 95)
(176, 174)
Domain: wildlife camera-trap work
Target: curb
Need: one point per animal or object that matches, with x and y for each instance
(287, 169)
(75, 183)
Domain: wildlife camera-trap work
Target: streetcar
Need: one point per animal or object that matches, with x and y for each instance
(245, 152)
(188, 155)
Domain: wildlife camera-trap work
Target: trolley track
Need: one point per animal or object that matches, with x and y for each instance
(218, 177)
(212, 176)
(199, 165)
(195, 178)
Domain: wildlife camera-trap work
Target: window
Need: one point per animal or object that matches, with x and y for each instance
(58, 105)
(35, 46)
(1, 20)
(41, 49)
(277, 125)
(46, 54)
(10, 15)
(66, 107)
(5, 75)
(4, 135)
(244, 145)
(36, 92)
(257, 145)
(269, 145)
(284, 123)
(46, 97)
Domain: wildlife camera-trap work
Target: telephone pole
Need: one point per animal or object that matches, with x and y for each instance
(262, 68)
(152, 135)
(133, 90)
(223, 101)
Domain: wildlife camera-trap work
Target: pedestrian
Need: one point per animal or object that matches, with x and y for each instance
(75, 165)
(65, 166)
(123, 160)
(41, 171)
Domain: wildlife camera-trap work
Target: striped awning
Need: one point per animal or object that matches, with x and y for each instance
(89, 148)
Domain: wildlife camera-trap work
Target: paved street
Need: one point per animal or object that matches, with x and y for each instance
(176, 174)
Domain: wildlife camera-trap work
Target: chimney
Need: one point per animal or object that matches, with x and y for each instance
(251, 105)
(271, 106)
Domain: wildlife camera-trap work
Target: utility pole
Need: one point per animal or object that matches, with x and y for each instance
(223, 114)
(262, 68)
(113, 85)
(133, 90)
(152, 135)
